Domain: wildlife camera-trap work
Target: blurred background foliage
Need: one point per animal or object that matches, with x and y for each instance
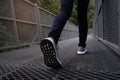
(54, 7)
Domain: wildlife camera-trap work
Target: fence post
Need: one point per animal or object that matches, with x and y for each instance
(39, 27)
(36, 17)
(15, 24)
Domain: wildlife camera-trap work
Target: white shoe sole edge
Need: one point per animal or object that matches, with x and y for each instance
(80, 53)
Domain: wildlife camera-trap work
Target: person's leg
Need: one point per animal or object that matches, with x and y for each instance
(60, 19)
(82, 20)
(48, 45)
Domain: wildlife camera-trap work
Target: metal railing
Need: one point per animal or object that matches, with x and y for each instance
(27, 23)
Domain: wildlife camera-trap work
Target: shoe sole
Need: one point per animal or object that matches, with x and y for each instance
(48, 50)
(80, 53)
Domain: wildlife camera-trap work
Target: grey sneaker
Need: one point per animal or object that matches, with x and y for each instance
(81, 50)
(49, 50)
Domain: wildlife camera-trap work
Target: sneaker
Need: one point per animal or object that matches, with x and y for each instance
(49, 50)
(81, 50)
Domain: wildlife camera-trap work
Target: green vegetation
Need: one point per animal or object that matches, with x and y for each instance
(54, 6)
(4, 36)
(91, 13)
(50, 5)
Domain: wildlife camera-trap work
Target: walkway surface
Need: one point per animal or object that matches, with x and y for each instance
(100, 63)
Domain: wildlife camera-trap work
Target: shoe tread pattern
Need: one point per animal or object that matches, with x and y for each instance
(49, 54)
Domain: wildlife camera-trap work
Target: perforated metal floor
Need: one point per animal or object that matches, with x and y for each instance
(35, 71)
(99, 63)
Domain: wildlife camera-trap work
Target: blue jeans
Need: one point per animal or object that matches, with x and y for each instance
(63, 16)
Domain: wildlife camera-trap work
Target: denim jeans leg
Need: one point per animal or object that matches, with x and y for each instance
(60, 19)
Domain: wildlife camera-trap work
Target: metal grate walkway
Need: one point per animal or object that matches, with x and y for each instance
(100, 63)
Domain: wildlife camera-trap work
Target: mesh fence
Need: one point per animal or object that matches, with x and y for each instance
(26, 32)
(7, 36)
(5, 10)
(24, 11)
(111, 27)
(106, 23)
(25, 23)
